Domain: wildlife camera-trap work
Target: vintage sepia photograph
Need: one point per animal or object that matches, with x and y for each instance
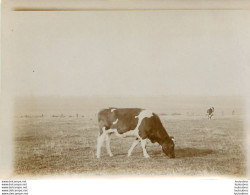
(126, 92)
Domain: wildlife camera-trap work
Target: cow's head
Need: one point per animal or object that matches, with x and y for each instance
(168, 147)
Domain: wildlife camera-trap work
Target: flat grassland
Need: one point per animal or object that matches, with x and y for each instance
(66, 145)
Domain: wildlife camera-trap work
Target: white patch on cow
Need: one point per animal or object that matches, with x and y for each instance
(133, 133)
(115, 122)
(126, 134)
(113, 109)
(173, 140)
(143, 114)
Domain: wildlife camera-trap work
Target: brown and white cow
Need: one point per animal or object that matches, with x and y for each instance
(126, 122)
(210, 112)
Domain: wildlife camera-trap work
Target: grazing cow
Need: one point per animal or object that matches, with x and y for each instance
(139, 123)
(210, 112)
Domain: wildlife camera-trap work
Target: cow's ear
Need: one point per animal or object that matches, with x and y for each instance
(173, 139)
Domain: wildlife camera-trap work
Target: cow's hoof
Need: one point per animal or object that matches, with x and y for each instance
(147, 156)
(111, 155)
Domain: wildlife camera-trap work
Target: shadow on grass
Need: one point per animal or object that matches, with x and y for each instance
(186, 152)
(179, 153)
(192, 152)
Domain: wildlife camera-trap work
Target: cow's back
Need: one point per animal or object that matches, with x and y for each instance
(122, 119)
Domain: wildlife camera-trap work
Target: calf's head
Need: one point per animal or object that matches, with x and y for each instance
(168, 147)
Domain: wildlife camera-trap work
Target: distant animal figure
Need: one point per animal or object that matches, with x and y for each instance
(133, 122)
(210, 112)
(233, 112)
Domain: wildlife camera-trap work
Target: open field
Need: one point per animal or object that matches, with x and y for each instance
(66, 145)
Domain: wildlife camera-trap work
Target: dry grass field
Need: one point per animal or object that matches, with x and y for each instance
(66, 145)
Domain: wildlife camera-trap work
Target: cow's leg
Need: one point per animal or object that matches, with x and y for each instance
(143, 145)
(133, 146)
(100, 140)
(108, 144)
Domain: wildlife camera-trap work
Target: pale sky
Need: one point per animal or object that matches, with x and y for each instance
(126, 53)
